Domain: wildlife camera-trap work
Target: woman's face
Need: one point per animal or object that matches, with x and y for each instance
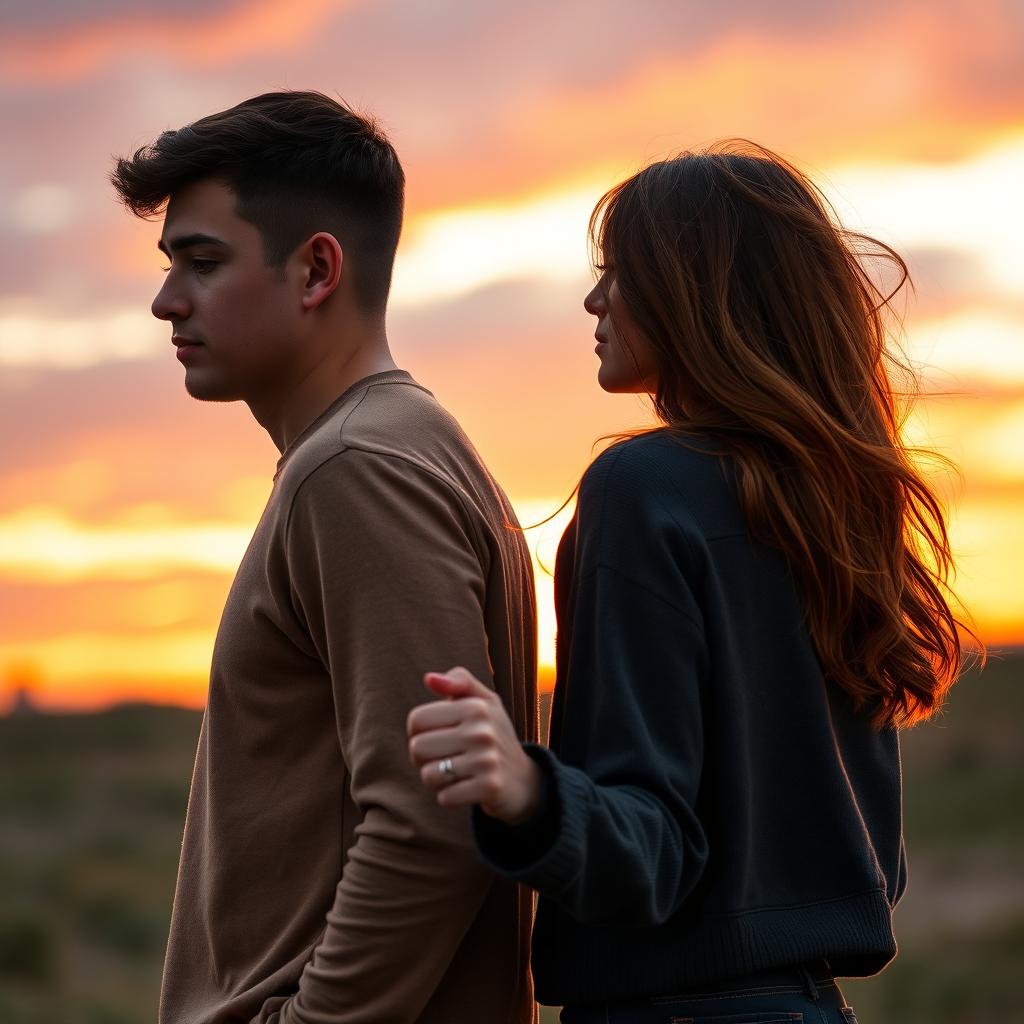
(627, 362)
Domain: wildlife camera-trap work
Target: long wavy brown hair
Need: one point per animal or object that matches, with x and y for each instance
(770, 336)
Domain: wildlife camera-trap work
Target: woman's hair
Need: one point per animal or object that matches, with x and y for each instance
(769, 336)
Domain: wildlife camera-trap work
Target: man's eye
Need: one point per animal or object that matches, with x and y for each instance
(199, 266)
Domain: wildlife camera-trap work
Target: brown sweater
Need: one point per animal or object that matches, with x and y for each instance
(319, 881)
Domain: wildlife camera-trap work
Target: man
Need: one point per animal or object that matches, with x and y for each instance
(319, 881)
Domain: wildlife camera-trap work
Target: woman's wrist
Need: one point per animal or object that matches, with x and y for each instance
(533, 786)
(512, 845)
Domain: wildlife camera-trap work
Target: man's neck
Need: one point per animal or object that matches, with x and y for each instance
(287, 414)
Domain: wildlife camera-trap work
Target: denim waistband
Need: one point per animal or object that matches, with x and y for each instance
(810, 977)
(801, 986)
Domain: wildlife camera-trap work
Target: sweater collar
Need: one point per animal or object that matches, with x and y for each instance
(384, 377)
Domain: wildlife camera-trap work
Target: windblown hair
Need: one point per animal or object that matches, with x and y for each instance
(770, 337)
(298, 162)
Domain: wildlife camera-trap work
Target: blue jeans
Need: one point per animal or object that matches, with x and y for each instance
(795, 996)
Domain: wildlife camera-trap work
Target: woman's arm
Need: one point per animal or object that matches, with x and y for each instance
(618, 840)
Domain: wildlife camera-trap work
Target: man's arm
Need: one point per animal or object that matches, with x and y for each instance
(388, 577)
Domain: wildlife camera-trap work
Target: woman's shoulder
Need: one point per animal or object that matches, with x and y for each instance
(657, 461)
(662, 471)
(659, 445)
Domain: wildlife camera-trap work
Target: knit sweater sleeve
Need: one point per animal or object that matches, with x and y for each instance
(619, 841)
(389, 579)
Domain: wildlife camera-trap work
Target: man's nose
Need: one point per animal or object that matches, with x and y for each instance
(169, 303)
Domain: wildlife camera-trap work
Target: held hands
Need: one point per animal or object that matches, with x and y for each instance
(467, 750)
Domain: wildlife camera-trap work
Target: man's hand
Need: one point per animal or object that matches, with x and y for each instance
(467, 750)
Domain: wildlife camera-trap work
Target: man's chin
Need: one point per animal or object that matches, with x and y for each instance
(209, 391)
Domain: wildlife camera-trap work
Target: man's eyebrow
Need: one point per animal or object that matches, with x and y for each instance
(187, 241)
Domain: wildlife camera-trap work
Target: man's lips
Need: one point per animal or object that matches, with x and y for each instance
(185, 346)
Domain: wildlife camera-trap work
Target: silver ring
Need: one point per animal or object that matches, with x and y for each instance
(446, 767)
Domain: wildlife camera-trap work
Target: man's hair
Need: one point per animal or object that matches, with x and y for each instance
(298, 162)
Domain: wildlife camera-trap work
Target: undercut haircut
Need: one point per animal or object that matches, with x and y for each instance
(298, 163)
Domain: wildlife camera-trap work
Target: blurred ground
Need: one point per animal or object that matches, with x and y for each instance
(91, 810)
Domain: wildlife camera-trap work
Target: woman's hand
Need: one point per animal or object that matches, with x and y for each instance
(467, 750)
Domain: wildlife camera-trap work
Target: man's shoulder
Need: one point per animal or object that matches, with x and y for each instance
(400, 418)
(386, 419)
(390, 444)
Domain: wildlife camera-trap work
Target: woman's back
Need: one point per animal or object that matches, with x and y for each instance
(687, 682)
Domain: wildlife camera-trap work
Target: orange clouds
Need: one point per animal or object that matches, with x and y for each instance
(141, 488)
(181, 600)
(244, 30)
(916, 87)
(881, 100)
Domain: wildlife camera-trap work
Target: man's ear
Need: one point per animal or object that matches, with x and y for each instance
(321, 259)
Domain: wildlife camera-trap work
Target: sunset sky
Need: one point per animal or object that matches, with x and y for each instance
(125, 506)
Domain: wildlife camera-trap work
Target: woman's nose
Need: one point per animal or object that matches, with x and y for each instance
(594, 303)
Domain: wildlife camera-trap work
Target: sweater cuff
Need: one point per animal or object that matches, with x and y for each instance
(510, 849)
(556, 858)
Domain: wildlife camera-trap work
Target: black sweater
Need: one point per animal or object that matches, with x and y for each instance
(713, 807)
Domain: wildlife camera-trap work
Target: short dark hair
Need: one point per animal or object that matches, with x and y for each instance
(299, 162)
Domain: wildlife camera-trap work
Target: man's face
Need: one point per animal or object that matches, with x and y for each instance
(235, 321)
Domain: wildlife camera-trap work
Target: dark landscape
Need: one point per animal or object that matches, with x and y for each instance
(91, 810)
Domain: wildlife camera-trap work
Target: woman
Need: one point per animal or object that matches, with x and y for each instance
(751, 600)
